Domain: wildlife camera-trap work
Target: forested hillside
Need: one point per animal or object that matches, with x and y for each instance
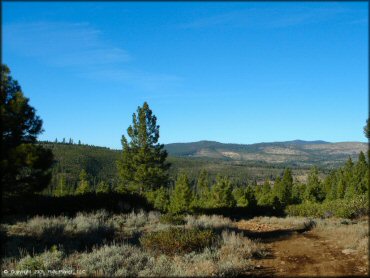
(100, 162)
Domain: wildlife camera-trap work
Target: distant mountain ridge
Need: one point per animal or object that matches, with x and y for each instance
(296, 151)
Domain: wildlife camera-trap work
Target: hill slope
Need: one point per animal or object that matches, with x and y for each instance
(297, 152)
(240, 162)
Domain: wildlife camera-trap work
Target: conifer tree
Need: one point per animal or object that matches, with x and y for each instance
(181, 196)
(83, 186)
(250, 196)
(283, 187)
(361, 174)
(314, 191)
(367, 129)
(143, 166)
(203, 190)
(61, 189)
(25, 167)
(102, 187)
(264, 198)
(221, 193)
(240, 196)
(162, 199)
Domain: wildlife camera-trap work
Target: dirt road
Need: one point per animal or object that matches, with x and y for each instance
(306, 254)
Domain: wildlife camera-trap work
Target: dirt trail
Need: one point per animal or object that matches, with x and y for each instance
(307, 254)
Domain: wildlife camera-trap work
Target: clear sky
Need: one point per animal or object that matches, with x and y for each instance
(241, 72)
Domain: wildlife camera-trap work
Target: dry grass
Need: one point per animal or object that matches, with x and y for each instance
(206, 221)
(347, 234)
(228, 254)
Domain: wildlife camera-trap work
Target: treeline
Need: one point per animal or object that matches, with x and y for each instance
(346, 183)
(204, 193)
(100, 166)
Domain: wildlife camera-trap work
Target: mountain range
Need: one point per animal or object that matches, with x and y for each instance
(296, 152)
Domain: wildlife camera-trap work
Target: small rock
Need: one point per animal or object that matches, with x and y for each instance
(348, 251)
(258, 266)
(282, 262)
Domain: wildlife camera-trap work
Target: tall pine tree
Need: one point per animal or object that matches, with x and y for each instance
(24, 165)
(143, 165)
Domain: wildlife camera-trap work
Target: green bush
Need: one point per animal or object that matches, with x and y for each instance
(341, 208)
(173, 219)
(178, 240)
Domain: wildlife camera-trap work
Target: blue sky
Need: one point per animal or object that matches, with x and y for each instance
(241, 72)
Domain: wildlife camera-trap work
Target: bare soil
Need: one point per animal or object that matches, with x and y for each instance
(302, 253)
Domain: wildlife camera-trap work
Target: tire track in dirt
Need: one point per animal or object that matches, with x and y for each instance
(306, 254)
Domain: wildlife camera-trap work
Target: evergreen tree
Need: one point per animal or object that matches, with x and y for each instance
(265, 196)
(143, 166)
(367, 129)
(221, 193)
(298, 190)
(250, 197)
(330, 186)
(181, 196)
(361, 174)
(314, 191)
(61, 189)
(83, 186)
(24, 166)
(161, 200)
(203, 191)
(240, 196)
(102, 187)
(283, 188)
(341, 185)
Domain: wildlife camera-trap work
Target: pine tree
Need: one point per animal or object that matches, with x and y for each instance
(361, 174)
(143, 166)
(203, 191)
(181, 196)
(283, 188)
(314, 191)
(265, 196)
(83, 186)
(240, 196)
(250, 197)
(161, 200)
(298, 190)
(102, 187)
(25, 167)
(221, 193)
(367, 129)
(61, 189)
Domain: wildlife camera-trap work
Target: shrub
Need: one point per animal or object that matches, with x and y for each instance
(206, 221)
(114, 260)
(173, 219)
(342, 208)
(44, 261)
(237, 245)
(178, 240)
